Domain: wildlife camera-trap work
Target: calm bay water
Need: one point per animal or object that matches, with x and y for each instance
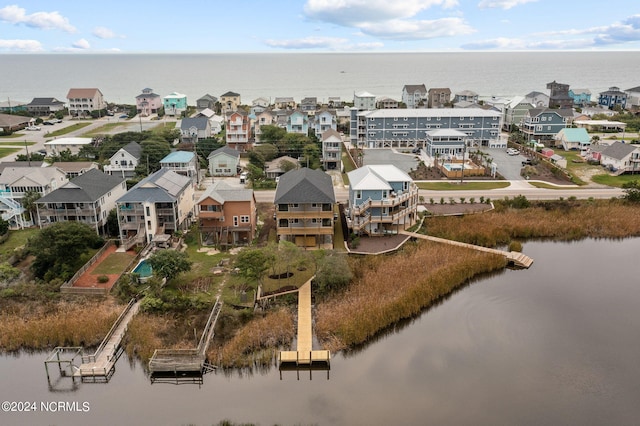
(121, 77)
(555, 344)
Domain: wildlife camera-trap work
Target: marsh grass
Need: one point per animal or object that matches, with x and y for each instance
(560, 220)
(63, 323)
(388, 290)
(148, 332)
(257, 342)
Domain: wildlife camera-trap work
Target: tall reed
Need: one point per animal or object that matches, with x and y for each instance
(257, 342)
(26, 326)
(561, 220)
(390, 289)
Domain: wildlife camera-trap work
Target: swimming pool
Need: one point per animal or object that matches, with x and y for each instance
(143, 269)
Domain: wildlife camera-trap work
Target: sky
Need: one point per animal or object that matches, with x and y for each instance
(257, 26)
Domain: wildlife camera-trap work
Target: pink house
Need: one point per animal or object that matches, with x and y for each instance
(148, 103)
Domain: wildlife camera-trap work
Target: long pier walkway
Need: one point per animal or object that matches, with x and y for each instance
(514, 257)
(305, 355)
(104, 358)
(100, 365)
(174, 361)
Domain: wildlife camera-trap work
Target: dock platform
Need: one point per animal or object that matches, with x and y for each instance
(186, 361)
(304, 356)
(100, 365)
(513, 257)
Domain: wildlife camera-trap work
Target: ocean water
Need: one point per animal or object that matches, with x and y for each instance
(121, 77)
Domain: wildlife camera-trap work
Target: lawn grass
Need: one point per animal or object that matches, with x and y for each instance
(17, 143)
(12, 136)
(465, 186)
(105, 128)
(16, 240)
(68, 129)
(616, 181)
(4, 152)
(544, 185)
(114, 264)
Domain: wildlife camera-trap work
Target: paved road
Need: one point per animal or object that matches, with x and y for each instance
(516, 188)
(40, 137)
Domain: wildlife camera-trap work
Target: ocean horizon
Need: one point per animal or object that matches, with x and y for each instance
(121, 77)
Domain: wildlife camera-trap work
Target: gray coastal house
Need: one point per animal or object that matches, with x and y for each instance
(45, 106)
(157, 206)
(124, 161)
(304, 204)
(414, 95)
(192, 129)
(87, 198)
(224, 161)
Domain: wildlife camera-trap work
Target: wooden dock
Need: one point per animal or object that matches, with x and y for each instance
(305, 356)
(185, 361)
(100, 365)
(515, 258)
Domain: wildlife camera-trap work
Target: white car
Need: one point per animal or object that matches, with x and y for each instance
(512, 151)
(33, 128)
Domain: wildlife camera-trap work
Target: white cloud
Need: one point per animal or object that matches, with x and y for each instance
(354, 12)
(105, 33)
(502, 4)
(418, 29)
(331, 43)
(307, 42)
(14, 14)
(21, 45)
(81, 44)
(392, 20)
(626, 31)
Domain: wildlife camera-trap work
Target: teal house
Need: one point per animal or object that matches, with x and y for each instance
(174, 103)
(573, 139)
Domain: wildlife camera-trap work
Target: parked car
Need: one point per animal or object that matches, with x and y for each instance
(124, 116)
(48, 123)
(33, 128)
(527, 162)
(512, 151)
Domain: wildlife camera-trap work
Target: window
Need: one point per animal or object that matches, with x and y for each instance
(358, 195)
(244, 219)
(235, 221)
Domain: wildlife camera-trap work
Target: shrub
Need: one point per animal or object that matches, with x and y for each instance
(103, 279)
(515, 246)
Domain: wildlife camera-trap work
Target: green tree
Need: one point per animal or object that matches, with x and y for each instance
(32, 157)
(153, 150)
(169, 263)
(333, 273)
(29, 203)
(272, 134)
(253, 263)
(112, 228)
(61, 249)
(4, 226)
(632, 191)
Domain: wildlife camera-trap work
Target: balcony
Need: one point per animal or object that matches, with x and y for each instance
(392, 201)
(305, 230)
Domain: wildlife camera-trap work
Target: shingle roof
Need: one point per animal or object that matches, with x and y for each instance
(24, 176)
(305, 186)
(412, 88)
(134, 149)
(199, 123)
(230, 94)
(45, 101)
(87, 187)
(225, 150)
(82, 93)
(161, 186)
(618, 150)
(222, 192)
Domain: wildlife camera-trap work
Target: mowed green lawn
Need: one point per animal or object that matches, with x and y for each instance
(115, 263)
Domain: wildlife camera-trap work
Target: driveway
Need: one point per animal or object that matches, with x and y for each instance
(509, 166)
(405, 162)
